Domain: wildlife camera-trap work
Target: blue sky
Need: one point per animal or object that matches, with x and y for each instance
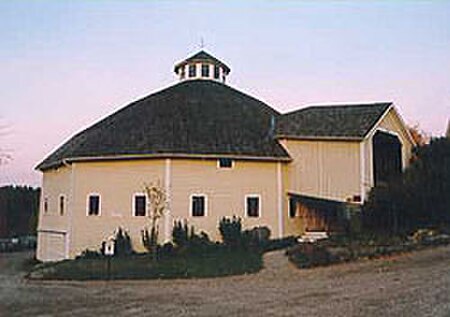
(66, 64)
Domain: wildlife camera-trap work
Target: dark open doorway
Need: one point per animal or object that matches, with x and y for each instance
(387, 157)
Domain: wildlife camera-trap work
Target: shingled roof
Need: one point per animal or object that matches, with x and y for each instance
(202, 56)
(332, 122)
(199, 117)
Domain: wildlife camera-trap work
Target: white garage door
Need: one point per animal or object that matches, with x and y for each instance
(51, 246)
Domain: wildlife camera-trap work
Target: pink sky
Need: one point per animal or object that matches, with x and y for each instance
(66, 65)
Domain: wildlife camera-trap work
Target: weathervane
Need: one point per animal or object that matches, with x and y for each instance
(202, 43)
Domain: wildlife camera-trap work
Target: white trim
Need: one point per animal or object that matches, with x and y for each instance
(225, 168)
(280, 199)
(190, 204)
(371, 175)
(64, 209)
(362, 170)
(167, 187)
(399, 118)
(388, 132)
(375, 126)
(133, 205)
(70, 209)
(99, 204)
(259, 205)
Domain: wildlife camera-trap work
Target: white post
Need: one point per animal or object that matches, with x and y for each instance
(167, 215)
(280, 199)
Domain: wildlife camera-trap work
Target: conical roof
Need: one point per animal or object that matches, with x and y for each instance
(198, 117)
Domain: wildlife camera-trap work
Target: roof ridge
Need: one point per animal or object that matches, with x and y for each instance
(343, 105)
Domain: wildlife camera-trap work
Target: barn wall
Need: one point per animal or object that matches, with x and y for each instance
(117, 181)
(325, 169)
(55, 182)
(226, 190)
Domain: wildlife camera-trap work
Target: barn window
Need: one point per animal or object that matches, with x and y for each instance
(94, 205)
(140, 205)
(198, 205)
(205, 70)
(225, 163)
(192, 70)
(253, 206)
(62, 204)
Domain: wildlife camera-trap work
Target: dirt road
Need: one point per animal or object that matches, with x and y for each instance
(415, 284)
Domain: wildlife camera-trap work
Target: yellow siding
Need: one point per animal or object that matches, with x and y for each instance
(116, 182)
(226, 190)
(55, 182)
(327, 169)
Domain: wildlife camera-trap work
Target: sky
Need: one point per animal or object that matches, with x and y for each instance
(66, 64)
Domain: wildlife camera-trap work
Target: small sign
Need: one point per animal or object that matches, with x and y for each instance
(109, 247)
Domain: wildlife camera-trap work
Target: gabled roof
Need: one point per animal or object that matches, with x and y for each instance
(198, 117)
(202, 56)
(332, 121)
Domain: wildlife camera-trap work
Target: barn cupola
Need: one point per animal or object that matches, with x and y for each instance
(202, 66)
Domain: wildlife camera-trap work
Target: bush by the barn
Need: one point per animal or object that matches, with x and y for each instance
(418, 199)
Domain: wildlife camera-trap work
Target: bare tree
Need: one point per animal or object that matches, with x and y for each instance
(5, 155)
(157, 205)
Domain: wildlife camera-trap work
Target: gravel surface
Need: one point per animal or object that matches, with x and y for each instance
(414, 284)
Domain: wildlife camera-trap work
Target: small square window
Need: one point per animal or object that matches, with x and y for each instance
(192, 70)
(225, 163)
(216, 72)
(198, 206)
(292, 207)
(252, 206)
(94, 205)
(61, 205)
(140, 205)
(205, 70)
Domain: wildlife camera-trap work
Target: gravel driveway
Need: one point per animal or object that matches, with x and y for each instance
(415, 284)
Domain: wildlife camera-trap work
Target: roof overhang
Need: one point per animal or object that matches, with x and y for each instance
(374, 128)
(126, 157)
(319, 138)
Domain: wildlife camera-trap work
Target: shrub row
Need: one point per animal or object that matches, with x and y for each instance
(307, 255)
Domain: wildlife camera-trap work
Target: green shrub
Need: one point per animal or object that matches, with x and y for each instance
(180, 233)
(308, 255)
(231, 231)
(418, 199)
(122, 243)
(90, 254)
(279, 244)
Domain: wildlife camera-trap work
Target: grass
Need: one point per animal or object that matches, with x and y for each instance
(214, 264)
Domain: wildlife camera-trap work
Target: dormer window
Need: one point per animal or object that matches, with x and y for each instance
(192, 70)
(182, 73)
(205, 70)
